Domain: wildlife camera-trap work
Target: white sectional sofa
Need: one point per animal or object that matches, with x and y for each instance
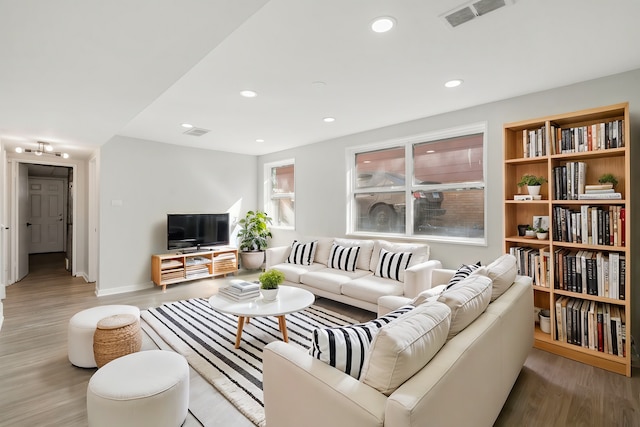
(465, 383)
(364, 285)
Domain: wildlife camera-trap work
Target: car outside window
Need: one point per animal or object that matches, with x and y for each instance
(443, 199)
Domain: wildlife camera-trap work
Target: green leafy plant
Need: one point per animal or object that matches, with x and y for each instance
(254, 231)
(608, 178)
(531, 180)
(271, 279)
(542, 230)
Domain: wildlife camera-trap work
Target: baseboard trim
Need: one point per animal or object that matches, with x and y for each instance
(123, 289)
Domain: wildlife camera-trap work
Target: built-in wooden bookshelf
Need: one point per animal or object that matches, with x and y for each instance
(572, 151)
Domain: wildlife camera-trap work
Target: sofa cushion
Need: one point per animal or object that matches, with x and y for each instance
(419, 251)
(391, 265)
(404, 346)
(462, 272)
(331, 279)
(503, 273)
(369, 288)
(366, 250)
(343, 258)
(302, 253)
(428, 293)
(467, 300)
(293, 272)
(345, 347)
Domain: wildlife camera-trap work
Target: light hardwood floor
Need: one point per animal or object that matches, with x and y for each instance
(39, 387)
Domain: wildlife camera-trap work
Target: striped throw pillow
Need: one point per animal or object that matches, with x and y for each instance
(462, 273)
(391, 265)
(345, 347)
(343, 258)
(302, 253)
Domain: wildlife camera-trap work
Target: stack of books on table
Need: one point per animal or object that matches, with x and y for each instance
(240, 290)
(599, 191)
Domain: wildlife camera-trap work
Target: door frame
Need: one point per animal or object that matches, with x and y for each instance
(14, 214)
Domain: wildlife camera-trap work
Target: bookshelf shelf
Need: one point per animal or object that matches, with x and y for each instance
(570, 269)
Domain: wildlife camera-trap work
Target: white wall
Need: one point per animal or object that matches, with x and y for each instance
(320, 168)
(140, 182)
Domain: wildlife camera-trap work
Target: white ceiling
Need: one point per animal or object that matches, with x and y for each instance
(78, 73)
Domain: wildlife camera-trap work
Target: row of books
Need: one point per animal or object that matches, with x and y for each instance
(569, 183)
(535, 263)
(593, 273)
(591, 225)
(240, 290)
(590, 324)
(598, 136)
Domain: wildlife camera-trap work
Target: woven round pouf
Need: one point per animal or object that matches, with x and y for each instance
(116, 336)
(144, 389)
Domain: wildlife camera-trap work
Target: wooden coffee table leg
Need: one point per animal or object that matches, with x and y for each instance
(239, 332)
(282, 323)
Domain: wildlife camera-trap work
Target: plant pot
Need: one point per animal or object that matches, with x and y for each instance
(252, 260)
(530, 233)
(542, 236)
(545, 321)
(522, 228)
(269, 294)
(534, 190)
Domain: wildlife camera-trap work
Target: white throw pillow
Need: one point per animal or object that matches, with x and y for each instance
(391, 265)
(343, 258)
(503, 273)
(404, 346)
(302, 253)
(366, 250)
(467, 300)
(345, 347)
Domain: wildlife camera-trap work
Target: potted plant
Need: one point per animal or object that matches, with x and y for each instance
(532, 182)
(270, 280)
(253, 235)
(542, 233)
(608, 178)
(530, 232)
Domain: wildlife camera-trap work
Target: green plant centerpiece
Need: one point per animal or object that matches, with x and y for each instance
(253, 235)
(608, 178)
(532, 182)
(270, 280)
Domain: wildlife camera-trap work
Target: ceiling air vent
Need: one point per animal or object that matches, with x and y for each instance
(468, 11)
(196, 131)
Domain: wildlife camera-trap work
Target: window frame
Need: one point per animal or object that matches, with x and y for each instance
(408, 143)
(269, 195)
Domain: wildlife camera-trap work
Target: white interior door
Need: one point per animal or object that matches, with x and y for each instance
(24, 236)
(46, 215)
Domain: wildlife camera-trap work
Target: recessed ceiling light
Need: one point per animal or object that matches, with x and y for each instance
(259, 140)
(248, 93)
(19, 150)
(453, 83)
(329, 119)
(186, 125)
(383, 24)
(431, 151)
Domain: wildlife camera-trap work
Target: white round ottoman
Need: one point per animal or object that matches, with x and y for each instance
(148, 388)
(82, 326)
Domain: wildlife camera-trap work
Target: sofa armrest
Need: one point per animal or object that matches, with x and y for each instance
(276, 255)
(388, 303)
(441, 276)
(300, 390)
(418, 277)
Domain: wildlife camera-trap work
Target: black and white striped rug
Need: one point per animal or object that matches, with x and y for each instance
(206, 338)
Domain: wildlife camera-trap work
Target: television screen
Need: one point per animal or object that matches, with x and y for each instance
(188, 231)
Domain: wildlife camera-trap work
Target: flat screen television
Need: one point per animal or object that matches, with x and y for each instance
(193, 231)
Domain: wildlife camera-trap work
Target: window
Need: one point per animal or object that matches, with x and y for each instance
(444, 198)
(280, 193)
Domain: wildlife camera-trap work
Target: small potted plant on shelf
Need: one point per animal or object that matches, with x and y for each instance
(270, 280)
(532, 182)
(608, 178)
(530, 233)
(253, 235)
(542, 233)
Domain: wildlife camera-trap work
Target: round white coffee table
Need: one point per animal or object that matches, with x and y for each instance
(290, 300)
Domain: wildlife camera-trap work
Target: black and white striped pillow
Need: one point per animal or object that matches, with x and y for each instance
(462, 273)
(302, 253)
(345, 347)
(343, 258)
(391, 265)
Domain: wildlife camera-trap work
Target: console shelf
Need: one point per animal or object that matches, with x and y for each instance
(167, 269)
